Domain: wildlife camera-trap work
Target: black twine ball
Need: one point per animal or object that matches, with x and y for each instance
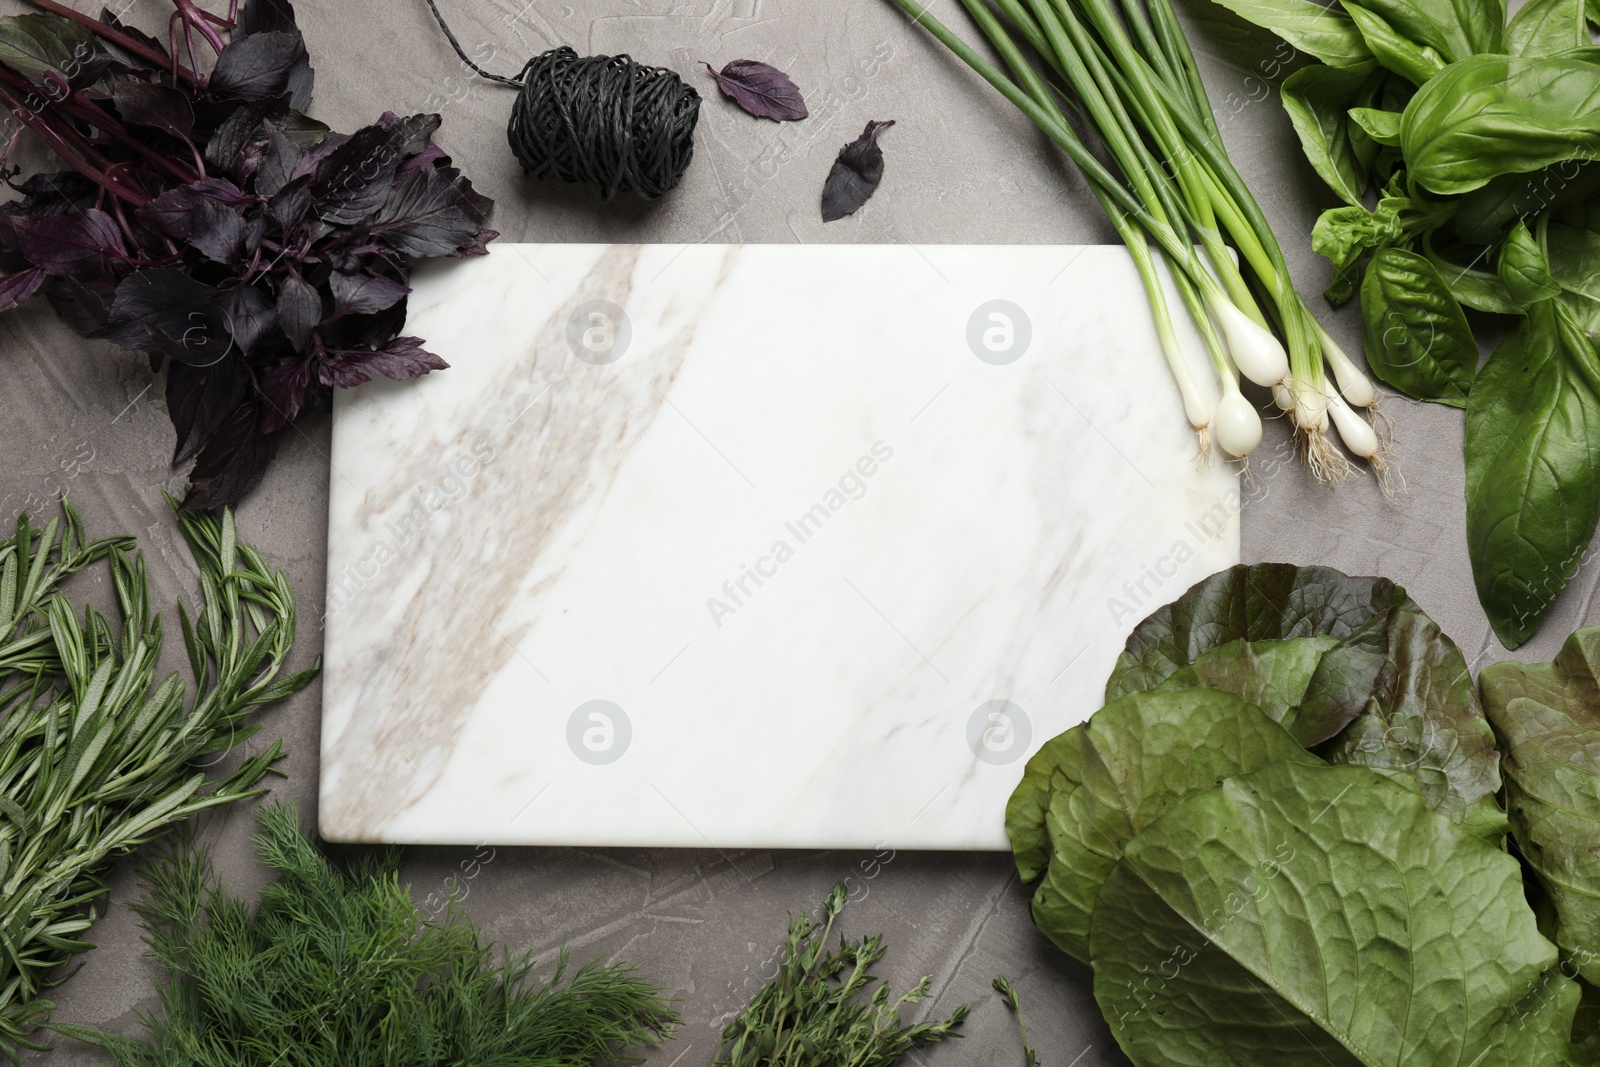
(597, 120)
(604, 121)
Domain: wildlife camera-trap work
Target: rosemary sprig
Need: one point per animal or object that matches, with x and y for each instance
(813, 1014)
(336, 968)
(95, 757)
(1008, 997)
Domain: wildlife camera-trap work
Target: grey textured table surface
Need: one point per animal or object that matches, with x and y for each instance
(962, 166)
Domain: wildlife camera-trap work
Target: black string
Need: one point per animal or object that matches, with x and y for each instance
(597, 120)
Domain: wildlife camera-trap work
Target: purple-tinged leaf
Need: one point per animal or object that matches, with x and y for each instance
(78, 244)
(251, 317)
(432, 212)
(199, 399)
(53, 53)
(15, 288)
(241, 129)
(364, 331)
(290, 204)
(261, 66)
(282, 387)
(417, 130)
(265, 16)
(277, 163)
(401, 358)
(207, 214)
(82, 305)
(109, 18)
(855, 174)
(232, 461)
(363, 294)
(164, 310)
(355, 179)
(299, 310)
(160, 107)
(763, 90)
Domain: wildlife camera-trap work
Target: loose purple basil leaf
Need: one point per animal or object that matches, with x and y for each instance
(232, 461)
(261, 66)
(109, 18)
(277, 163)
(266, 16)
(855, 174)
(363, 294)
(85, 245)
(160, 107)
(199, 399)
(236, 132)
(84, 306)
(432, 212)
(15, 288)
(763, 90)
(299, 310)
(402, 358)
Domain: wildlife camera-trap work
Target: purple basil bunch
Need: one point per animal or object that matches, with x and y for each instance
(205, 220)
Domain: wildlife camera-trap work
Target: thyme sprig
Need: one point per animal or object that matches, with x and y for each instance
(816, 1012)
(95, 757)
(1013, 1003)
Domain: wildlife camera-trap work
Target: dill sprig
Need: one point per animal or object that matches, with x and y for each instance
(95, 757)
(1008, 997)
(813, 1012)
(336, 967)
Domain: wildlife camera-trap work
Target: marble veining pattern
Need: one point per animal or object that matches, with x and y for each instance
(815, 560)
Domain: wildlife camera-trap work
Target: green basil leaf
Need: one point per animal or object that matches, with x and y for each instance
(1490, 115)
(1533, 468)
(1324, 32)
(1547, 717)
(1318, 100)
(1478, 289)
(1417, 337)
(1381, 126)
(1547, 27)
(1455, 29)
(1413, 61)
(1523, 269)
(1484, 215)
(1301, 915)
(1133, 760)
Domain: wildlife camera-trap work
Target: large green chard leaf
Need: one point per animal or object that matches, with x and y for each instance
(1533, 468)
(1114, 775)
(1417, 336)
(1318, 100)
(1272, 675)
(1547, 717)
(1321, 31)
(1323, 915)
(1490, 115)
(1393, 693)
(1547, 27)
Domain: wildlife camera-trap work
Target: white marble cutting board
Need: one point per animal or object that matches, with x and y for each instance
(747, 546)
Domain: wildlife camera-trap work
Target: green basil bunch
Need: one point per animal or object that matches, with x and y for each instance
(1464, 148)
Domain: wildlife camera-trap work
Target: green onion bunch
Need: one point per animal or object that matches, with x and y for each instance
(1124, 69)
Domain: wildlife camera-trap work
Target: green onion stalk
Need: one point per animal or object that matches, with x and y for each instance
(1124, 69)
